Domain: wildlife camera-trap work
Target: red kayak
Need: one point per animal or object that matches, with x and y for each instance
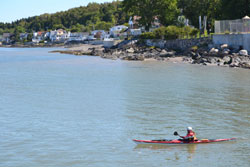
(171, 142)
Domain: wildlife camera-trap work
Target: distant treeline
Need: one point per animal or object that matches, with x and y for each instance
(105, 15)
(80, 19)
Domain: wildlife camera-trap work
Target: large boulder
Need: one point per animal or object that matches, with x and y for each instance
(130, 50)
(163, 53)
(245, 65)
(226, 51)
(224, 46)
(243, 52)
(214, 51)
(227, 60)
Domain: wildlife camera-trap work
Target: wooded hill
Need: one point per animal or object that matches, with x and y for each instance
(105, 15)
(84, 18)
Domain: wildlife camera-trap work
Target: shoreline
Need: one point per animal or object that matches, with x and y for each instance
(223, 56)
(132, 51)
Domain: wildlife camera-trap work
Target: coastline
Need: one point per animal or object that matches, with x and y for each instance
(203, 55)
(222, 56)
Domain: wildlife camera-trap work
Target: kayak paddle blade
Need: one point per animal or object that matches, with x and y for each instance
(176, 133)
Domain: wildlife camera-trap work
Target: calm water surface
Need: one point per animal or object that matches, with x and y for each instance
(62, 110)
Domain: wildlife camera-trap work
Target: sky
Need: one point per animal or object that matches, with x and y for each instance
(12, 10)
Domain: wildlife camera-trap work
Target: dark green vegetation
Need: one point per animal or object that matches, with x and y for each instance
(84, 18)
(165, 10)
(171, 32)
(106, 15)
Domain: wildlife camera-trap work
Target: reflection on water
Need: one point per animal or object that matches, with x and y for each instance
(188, 149)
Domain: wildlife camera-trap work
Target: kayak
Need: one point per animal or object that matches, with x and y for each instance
(172, 142)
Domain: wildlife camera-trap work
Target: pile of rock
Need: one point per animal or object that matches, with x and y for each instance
(205, 55)
(222, 56)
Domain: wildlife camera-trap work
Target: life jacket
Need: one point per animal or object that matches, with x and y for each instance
(191, 133)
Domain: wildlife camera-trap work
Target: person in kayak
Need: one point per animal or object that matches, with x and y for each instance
(191, 136)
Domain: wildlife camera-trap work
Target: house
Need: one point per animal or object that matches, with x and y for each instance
(7, 37)
(99, 34)
(77, 37)
(59, 35)
(23, 36)
(38, 36)
(118, 31)
(134, 32)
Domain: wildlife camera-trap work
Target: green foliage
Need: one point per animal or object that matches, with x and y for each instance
(84, 18)
(170, 33)
(166, 10)
(173, 32)
(234, 9)
(194, 48)
(105, 15)
(192, 9)
(29, 37)
(102, 25)
(148, 35)
(77, 28)
(159, 33)
(194, 32)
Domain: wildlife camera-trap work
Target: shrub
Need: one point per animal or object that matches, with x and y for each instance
(148, 35)
(159, 33)
(194, 48)
(194, 32)
(172, 32)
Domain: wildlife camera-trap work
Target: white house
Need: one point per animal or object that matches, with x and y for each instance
(116, 30)
(23, 36)
(59, 35)
(135, 32)
(78, 37)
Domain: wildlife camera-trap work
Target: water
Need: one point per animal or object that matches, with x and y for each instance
(64, 110)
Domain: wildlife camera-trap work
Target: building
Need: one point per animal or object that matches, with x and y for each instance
(78, 37)
(59, 35)
(23, 36)
(235, 33)
(7, 37)
(233, 26)
(117, 31)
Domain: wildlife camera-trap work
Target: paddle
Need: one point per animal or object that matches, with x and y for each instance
(176, 133)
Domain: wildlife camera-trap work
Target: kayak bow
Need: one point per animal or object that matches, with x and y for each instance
(170, 142)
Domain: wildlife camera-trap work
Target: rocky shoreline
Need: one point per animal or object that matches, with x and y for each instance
(133, 51)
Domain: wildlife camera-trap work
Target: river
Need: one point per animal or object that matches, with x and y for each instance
(63, 110)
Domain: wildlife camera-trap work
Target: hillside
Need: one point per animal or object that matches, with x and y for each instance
(84, 18)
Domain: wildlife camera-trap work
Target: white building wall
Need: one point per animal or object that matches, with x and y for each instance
(233, 40)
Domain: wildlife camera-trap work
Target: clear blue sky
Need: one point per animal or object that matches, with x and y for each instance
(11, 10)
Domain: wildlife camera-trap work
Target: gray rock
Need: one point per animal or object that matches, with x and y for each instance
(243, 52)
(226, 51)
(227, 60)
(163, 53)
(224, 46)
(214, 51)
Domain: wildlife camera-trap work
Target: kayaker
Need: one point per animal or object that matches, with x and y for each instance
(191, 136)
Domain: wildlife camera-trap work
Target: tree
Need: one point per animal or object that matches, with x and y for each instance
(148, 9)
(235, 9)
(192, 9)
(167, 11)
